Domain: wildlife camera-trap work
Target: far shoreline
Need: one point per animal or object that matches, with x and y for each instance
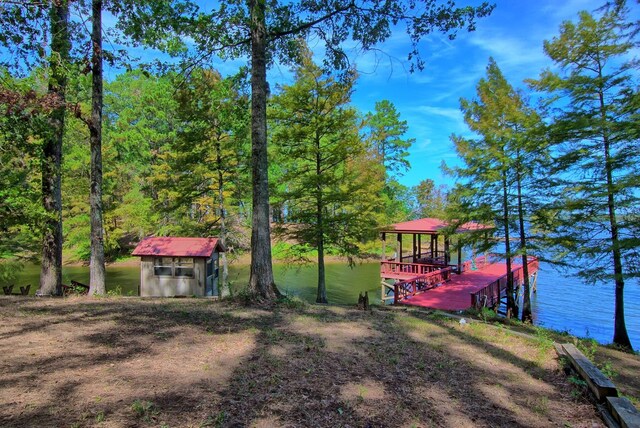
(237, 260)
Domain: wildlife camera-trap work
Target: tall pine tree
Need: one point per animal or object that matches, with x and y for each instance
(594, 128)
(317, 136)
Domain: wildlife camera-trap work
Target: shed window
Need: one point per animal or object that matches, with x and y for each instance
(178, 266)
(163, 266)
(184, 267)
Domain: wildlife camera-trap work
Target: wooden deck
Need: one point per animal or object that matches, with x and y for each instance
(455, 295)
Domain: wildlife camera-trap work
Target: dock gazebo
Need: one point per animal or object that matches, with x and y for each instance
(429, 260)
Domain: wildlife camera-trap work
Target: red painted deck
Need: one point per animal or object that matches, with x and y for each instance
(455, 294)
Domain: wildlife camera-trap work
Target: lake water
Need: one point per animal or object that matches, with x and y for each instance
(561, 303)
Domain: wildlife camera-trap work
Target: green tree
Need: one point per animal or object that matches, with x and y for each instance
(386, 143)
(51, 264)
(430, 200)
(141, 123)
(204, 169)
(495, 164)
(274, 32)
(39, 33)
(594, 128)
(316, 133)
(97, 273)
(23, 119)
(386, 132)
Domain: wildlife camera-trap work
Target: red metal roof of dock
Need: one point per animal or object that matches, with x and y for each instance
(172, 246)
(432, 225)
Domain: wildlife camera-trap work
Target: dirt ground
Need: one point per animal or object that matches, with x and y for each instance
(129, 362)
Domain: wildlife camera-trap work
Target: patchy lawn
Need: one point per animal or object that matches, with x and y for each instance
(123, 362)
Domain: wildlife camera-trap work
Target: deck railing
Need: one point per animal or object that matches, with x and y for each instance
(489, 296)
(425, 260)
(410, 287)
(411, 268)
(426, 265)
(475, 263)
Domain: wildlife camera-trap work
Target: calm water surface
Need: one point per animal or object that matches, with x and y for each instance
(562, 302)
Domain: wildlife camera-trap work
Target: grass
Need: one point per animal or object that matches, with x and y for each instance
(160, 362)
(144, 410)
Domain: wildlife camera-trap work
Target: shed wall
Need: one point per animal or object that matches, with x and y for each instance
(166, 286)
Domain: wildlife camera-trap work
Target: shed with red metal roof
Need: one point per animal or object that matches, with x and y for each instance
(179, 266)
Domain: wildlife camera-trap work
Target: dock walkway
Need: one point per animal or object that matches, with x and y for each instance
(455, 295)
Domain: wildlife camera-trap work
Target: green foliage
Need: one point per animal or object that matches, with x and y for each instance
(591, 216)
(327, 190)
(224, 30)
(430, 200)
(387, 147)
(498, 166)
(385, 138)
(23, 121)
(201, 175)
(544, 338)
(328, 195)
(9, 271)
(115, 292)
(487, 314)
(293, 303)
(144, 409)
(588, 347)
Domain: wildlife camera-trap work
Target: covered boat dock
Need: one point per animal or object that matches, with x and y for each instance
(429, 276)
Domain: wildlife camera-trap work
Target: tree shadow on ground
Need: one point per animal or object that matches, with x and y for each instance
(314, 371)
(133, 362)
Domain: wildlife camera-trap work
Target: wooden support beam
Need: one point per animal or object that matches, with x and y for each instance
(431, 246)
(447, 256)
(384, 246)
(435, 255)
(624, 412)
(459, 258)
(598, 383)
(414, 250)
(399, 248)
(419, 246)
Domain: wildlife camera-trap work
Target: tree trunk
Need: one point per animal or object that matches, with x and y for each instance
(223, 218)
(96, 265)
(526, 298)
(322, 287)
(620, 335)
(51, 267)
(511, 303)
(261, 280)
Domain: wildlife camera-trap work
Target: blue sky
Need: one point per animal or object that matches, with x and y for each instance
(429, 100)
